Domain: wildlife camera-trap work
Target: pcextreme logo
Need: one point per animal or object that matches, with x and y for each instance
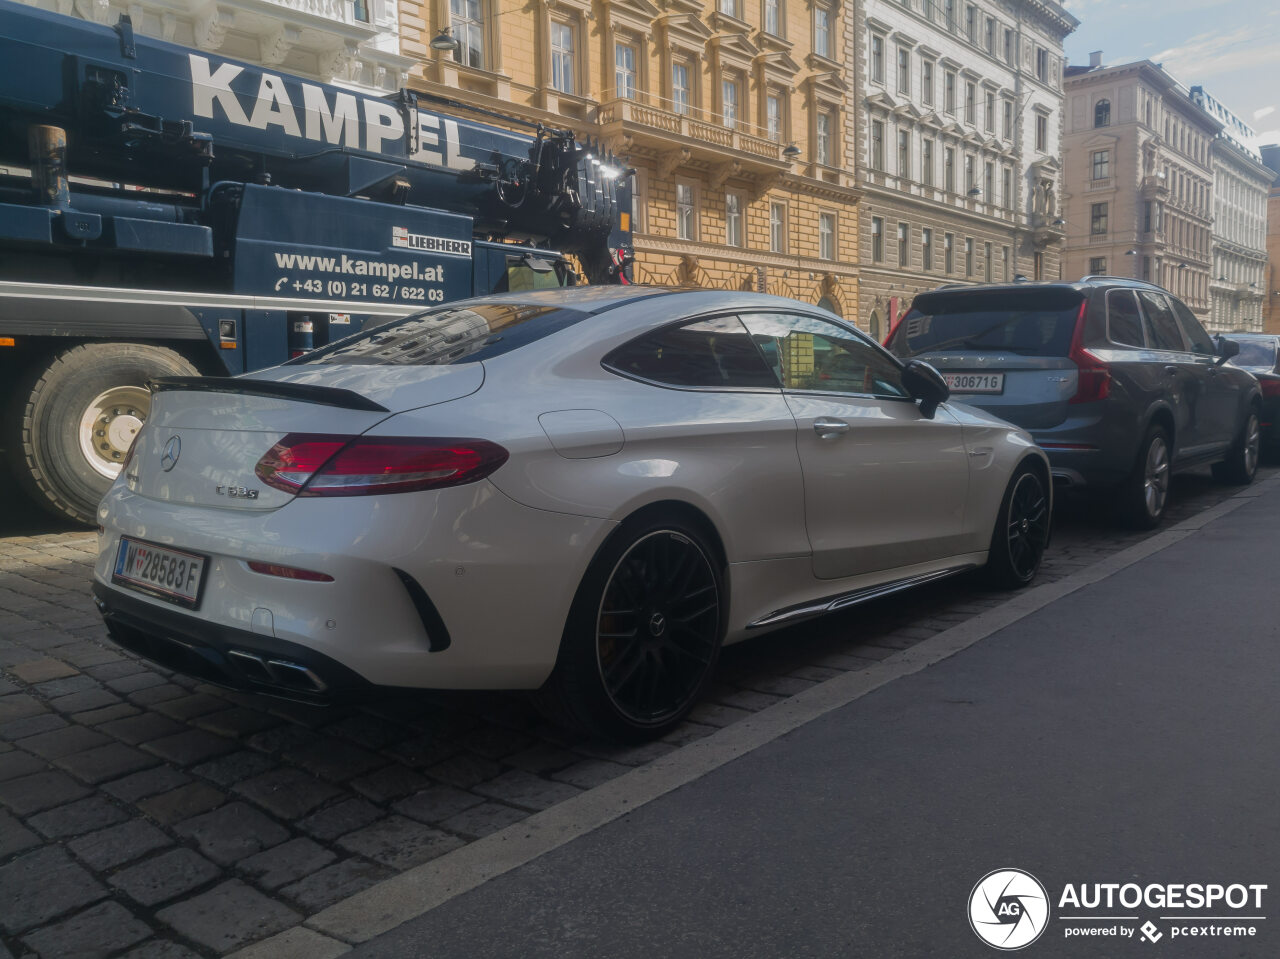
(1008, 909)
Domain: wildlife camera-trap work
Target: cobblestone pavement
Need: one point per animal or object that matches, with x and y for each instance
(149, 815)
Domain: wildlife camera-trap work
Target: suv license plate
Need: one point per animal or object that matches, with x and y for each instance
(168, 574)
(975, 382)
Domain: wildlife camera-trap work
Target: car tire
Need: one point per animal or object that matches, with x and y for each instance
(1241, 464)
(1021, 532)
(643, 634)
(1144, 496)
(74, 418)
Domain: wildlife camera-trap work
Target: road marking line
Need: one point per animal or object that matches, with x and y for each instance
(397, 900)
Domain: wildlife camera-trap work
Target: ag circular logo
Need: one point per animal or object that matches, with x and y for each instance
(1008, 909)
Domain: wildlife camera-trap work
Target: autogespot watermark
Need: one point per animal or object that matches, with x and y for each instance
(1010, 909)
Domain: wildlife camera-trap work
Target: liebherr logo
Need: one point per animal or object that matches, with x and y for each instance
(1008, 909)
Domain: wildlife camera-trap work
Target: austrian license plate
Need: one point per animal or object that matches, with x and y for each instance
(975, 382)
(168, 574)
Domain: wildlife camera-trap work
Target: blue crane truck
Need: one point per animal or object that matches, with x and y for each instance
(165, 211)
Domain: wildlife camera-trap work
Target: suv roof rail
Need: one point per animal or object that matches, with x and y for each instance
(951, 286)
(1127, 280)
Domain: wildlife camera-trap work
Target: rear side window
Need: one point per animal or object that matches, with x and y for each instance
(446, 336)
(1254, 354)
(1163, 328)
(1124, 322)
(1037, 322)
(714, 352)
(811, 355)
(1200, 341)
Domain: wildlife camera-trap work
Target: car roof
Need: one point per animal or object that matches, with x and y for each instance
(600, 299)
(1082, 285)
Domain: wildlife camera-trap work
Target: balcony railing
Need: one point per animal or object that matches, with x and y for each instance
(704, 128)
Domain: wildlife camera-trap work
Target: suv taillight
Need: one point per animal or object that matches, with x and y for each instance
(1094, 377)
(309, 464)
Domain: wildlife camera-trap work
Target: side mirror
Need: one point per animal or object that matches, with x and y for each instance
(925, 384)
(1226, 349)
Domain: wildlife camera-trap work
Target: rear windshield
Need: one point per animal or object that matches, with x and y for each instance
(1029, 322)
(445, 336)
(1255, 354)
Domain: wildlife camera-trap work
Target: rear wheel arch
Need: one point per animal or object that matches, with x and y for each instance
(1163, 417)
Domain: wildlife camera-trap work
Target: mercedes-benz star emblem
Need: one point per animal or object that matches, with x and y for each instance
(172, 450)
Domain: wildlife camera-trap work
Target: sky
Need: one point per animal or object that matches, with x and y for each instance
(1230, 47)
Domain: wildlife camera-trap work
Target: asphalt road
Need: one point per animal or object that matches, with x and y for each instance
(1126, 733)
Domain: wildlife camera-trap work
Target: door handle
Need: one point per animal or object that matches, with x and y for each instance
(1171, 370)
(827, 428)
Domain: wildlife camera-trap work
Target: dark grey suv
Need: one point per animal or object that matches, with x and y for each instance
(1115, 379)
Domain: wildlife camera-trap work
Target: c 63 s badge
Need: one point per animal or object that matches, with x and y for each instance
(236, 492)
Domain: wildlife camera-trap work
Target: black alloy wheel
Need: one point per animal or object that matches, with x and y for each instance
(658, 628)
(1021, 534)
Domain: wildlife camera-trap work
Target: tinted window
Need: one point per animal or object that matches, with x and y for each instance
(1124, 322)
(713, 352)
(814, 355)
(1200, 341)
(1031, 322)
(447, 335)
(1254, 354)
(1161, 326)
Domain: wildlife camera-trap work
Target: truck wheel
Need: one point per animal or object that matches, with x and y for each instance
(76, 418)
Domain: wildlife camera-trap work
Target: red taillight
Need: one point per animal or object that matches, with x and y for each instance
(321, 465)
(1094, 377)
(290, 572)
(1269, 387)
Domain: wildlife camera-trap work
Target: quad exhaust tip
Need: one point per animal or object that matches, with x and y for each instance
(277, 672)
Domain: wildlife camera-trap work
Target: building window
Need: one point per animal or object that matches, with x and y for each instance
(823, 124)
(926, 162)
(1004, 263)
(877, 59)
(827, 236)
(822, 33)
(1097, 266)
(1006, 188)
(1146, 268)
(1102, 113)
(773, 116)
(1101, 164)
(1042, 65)
(624, 60)
(949, 6)
(1098, 219)
(562, 57)
(904, 154)
(971, 103)
(926, 249)
(926, 82)
(991, 36)
(969, 181)
(1042, 132)
(729, 8)
(968, 256)
(877, 144)
(877, 239)
(949, 169)
(772, 20)
(466, 25)
(777, 227)
(989, 182)
(904, 239)
(729, 103)
(686, 212)
(904, 71)
(1008, 45)
(986, 261)
(680, 89)
(989, 119)
(1008, 119)
(733, 219)
(949, 92)
(971, 23)
(948, 262)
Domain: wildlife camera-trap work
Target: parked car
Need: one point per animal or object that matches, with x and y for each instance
(1116, 379)
(1259, 354)
(581, 492)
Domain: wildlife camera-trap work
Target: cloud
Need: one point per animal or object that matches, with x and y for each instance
(1214, 53)
(1264, 112)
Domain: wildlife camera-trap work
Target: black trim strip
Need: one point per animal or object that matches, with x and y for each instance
(304, 392)
(437, 633)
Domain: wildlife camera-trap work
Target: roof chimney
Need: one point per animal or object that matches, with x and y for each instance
(1095, 59)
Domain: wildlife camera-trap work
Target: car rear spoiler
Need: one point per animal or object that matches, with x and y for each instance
(303, 392)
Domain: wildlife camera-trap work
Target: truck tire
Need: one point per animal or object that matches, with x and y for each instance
(76, 417)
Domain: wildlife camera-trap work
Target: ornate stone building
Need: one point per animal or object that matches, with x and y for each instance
(353, 43)
(958, 145)
(1239, 240)
(1271, 285)
(1139, 179)
(732, 114)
